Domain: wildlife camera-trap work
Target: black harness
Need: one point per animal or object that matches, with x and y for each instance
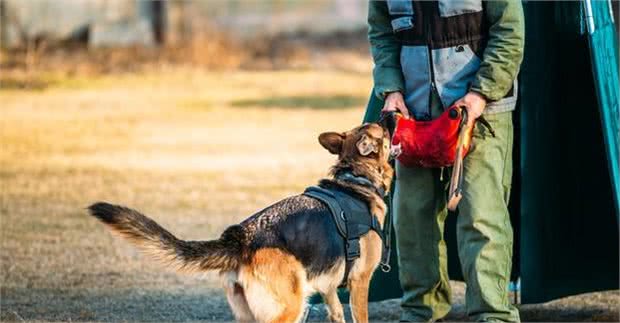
(352, 218)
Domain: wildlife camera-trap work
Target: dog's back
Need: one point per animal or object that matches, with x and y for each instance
(301, 226)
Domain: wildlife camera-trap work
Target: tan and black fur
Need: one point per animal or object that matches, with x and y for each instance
(274, 260)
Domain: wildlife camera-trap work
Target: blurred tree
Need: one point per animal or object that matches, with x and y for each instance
(154, 12)
(177, 25)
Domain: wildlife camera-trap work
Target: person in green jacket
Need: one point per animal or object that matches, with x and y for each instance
(430, 55)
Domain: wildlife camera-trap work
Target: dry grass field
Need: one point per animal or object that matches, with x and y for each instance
(196, 151)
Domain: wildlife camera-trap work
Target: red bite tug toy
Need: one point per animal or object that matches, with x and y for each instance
(431, 144)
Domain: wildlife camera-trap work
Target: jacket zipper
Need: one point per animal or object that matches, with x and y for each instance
(429, 37)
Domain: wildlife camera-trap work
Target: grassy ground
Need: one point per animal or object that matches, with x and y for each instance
(196, 151)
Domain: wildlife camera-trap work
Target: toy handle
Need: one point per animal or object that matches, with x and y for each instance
(456, 181)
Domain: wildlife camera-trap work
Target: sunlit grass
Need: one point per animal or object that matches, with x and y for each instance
(139, 140)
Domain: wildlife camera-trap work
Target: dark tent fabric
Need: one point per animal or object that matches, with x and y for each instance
(563, 206)
(569, 228)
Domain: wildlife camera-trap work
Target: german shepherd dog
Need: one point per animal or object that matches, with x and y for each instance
(274, 260)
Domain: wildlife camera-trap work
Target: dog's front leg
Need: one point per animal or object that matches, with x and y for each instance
(361, 273)
(334, 307)
(359, 298)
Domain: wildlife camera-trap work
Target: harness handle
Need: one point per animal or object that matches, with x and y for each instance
(387, 230)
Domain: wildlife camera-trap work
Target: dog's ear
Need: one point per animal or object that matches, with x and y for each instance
(332, 141)
(366, 146)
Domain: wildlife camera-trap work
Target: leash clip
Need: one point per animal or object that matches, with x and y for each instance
(386, 268)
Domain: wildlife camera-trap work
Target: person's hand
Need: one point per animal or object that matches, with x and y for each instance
(395, 102)
(475, 104)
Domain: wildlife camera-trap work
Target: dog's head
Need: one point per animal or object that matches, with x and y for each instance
(364, 143)
(364, 149)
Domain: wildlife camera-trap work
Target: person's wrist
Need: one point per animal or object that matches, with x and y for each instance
(479, 96)
(393, 94)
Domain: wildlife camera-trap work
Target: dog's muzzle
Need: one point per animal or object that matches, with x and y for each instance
(388, 122)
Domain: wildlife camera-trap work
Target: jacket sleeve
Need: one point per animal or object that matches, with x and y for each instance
(385, 50)
(504, 51)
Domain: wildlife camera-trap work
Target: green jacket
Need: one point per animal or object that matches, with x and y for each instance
(499, 64)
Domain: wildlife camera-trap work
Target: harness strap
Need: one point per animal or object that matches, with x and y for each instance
(329, 199)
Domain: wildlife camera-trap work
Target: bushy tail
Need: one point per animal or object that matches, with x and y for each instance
(221, 254)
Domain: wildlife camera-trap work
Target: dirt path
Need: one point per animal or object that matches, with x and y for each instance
(196, 151)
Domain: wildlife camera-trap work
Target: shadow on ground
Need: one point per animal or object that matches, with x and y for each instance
(313, 102)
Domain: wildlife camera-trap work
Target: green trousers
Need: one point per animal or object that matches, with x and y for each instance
(484, 233)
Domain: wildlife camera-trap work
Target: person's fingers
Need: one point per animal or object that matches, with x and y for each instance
(461, 104)
(472, 115)
(404, 111)
(390, 105)
(389, 108)
(396, 105)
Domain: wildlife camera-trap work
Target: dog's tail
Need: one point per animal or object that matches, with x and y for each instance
(222, 254)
